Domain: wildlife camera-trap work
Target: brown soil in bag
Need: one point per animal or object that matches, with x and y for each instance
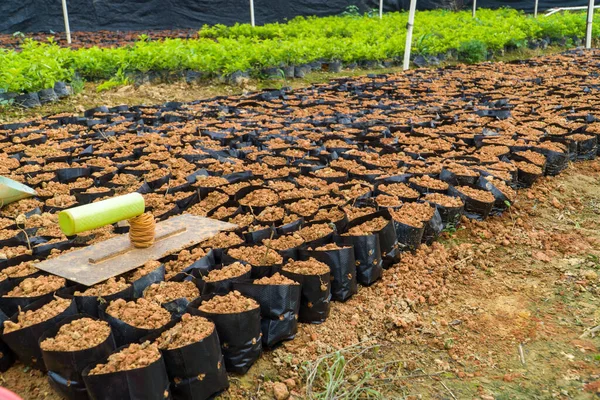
(257, 255)
(477, 194)
(331, 214)
(270, 214)
(142, 313)
(227, 272)
(304, 207)
(210, 181)
(260, 198)
(131, 357)
(506, 190)
(80, 334)
(529, 168)
(399, 189)
(191, 329)
(284, 242)
(387, 201)
(308, 267)
(461, 170)
(223, 212)
(19, 271)
(232, 302)
(164, 292)
(368, 227)
(33, 317)
(111, 286)
(222, 240)
(533, 157)
(429, 182)
(314, 232)
(276, 279)
(355, 212)
(31, 287)
(330, 246)
(406, 217)
(443, 200)
(184, 259)
(289, 218)
(143, 271)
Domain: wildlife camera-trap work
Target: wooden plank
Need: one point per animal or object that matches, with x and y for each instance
(98, 262)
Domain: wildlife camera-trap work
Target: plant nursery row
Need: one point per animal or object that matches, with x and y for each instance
(287, 50)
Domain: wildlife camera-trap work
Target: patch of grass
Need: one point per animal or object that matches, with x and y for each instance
(349, 373)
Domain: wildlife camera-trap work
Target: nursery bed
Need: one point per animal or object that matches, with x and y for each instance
(371, 133)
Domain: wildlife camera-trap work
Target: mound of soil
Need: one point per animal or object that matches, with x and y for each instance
(257, 255)
(423, 211)
(429, 182)
(303, 207)
(33, 317)
(330, 246)
(276, 279)
(384, 200)
(314, 232)
(31, 287)
(228, 272)
(210, 181)
(131, 357)
(477, 194)
(142, 313)
(443, 200)
(308, 267)
(19, 271)
(405, 217)
(77, 335)
(270, 214)
(143, 271)
(329, 214)
(460, 170)
(529, 168)
(260, 198)
(506, 190)
(284, 242)
(368, 227)
(164, 292)
(355, 212)
(399, 189)
(111, 286)
(232, 302)
(222, 241)
(184, 259)
(191, 329)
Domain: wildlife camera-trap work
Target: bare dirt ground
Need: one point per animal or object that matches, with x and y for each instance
(501, 309)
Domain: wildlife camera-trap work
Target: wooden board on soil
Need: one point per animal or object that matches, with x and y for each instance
(97, 263)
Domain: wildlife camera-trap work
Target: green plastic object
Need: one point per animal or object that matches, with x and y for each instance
(11, 191)
(96, 215)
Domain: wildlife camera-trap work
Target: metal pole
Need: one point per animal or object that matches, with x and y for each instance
(252, 13)
(590, 22)
(474, 8)
(380, 9)
(66, 18)
(409, 32)
(535, 9)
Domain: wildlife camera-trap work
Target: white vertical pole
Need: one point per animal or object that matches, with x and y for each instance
(590, 21)
(252, 13)
(535, 9)
(66, 18)
(474, 8)
(409, 32)
(380, 9)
